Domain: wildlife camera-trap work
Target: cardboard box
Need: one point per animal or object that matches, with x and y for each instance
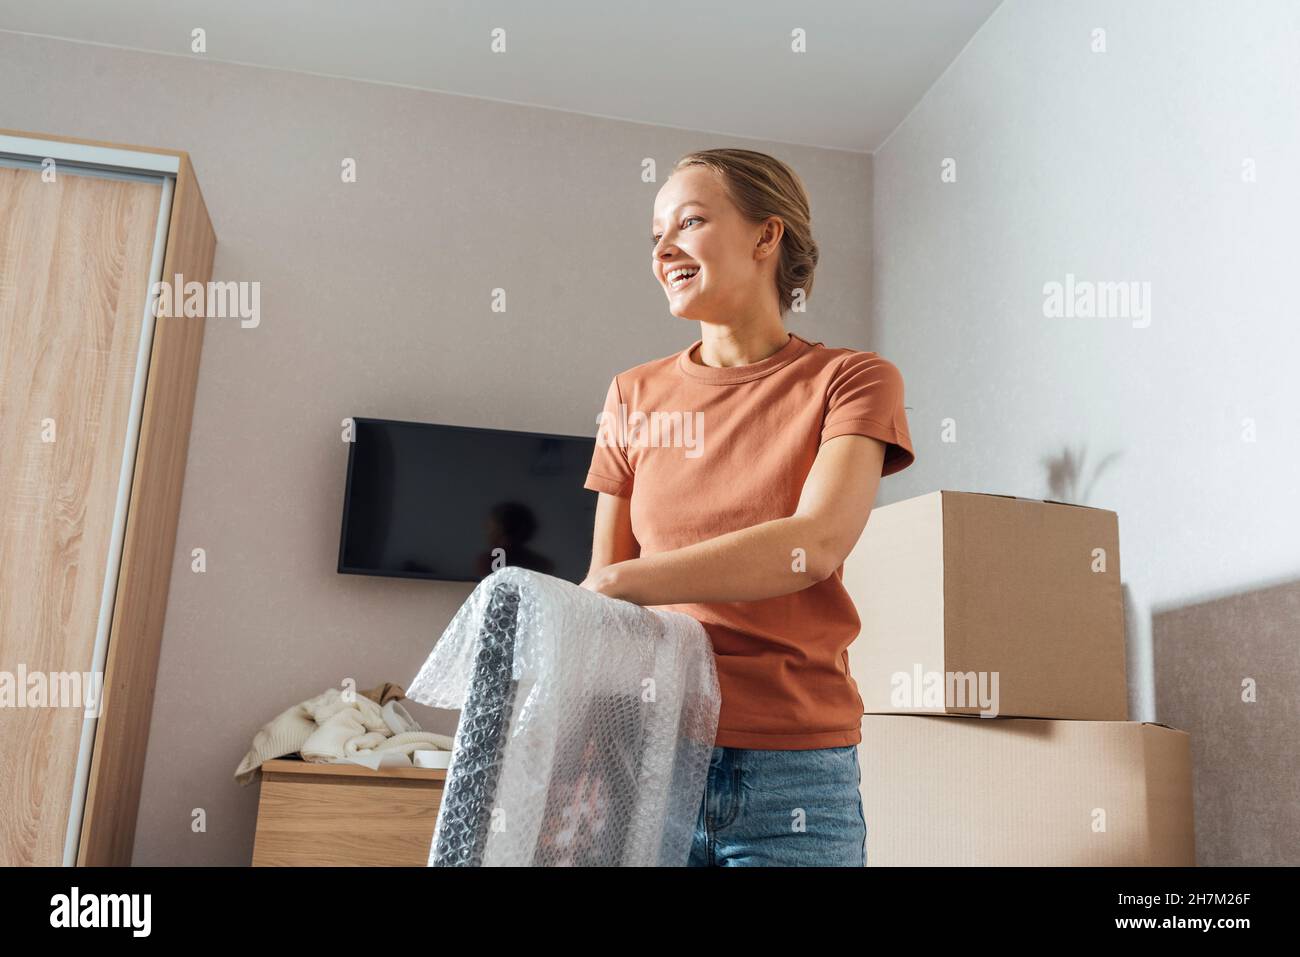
(1014, 600)
(953, 790)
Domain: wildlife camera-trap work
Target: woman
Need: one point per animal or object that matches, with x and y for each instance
(744, 477)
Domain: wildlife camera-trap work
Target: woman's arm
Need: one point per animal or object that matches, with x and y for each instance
(612, 541)
(772, 558)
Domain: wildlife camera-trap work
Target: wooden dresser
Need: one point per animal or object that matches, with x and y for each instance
(341, 814)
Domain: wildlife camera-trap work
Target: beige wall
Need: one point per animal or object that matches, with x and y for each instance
(374, 301)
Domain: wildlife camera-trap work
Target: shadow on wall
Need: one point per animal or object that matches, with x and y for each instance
(1065, 483)
(1132, 664)
(1065, 473)
(1228, 672)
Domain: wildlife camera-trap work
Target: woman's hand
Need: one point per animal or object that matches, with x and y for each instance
(605, 581)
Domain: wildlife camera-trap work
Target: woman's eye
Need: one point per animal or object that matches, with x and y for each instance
(654, 237)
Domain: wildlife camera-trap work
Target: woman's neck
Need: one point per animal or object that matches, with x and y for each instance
(725, 346)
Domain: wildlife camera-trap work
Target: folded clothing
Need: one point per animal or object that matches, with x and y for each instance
(332, 726)
(398, 719)
(344, 734)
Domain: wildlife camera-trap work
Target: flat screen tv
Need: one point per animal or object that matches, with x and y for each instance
(455, 503)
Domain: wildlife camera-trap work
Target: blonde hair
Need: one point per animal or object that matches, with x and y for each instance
(761, 186)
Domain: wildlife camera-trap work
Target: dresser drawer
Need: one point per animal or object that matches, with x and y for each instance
(339, 814)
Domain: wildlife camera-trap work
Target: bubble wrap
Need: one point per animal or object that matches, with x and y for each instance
(586, 728)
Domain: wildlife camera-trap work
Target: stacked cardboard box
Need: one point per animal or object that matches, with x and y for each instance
(991, 669)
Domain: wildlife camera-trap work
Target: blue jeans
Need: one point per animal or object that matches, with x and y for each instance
(781, 809)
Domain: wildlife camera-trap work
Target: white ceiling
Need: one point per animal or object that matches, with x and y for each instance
(721, 66)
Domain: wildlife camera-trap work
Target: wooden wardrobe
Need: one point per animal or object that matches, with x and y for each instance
(96, 397)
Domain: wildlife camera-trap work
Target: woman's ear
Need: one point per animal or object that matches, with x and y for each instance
(770, 238)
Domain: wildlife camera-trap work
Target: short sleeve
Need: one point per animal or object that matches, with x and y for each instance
(865, 397)
(610, 469)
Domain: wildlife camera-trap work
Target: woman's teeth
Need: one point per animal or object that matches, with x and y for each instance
(683, 280)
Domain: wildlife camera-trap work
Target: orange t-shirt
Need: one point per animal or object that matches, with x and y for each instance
(702, 451)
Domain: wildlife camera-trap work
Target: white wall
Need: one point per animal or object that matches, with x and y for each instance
(1115, 166)
(1127, 165)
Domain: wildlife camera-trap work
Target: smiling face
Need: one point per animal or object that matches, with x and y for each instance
(697, 227)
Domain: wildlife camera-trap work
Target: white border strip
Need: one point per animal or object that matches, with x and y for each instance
(109, 594)
(90, 155)
(10, 161)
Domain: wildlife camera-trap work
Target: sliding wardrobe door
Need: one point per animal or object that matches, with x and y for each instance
(77, 253)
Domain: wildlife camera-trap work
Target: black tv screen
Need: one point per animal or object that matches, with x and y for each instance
(456, 503)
